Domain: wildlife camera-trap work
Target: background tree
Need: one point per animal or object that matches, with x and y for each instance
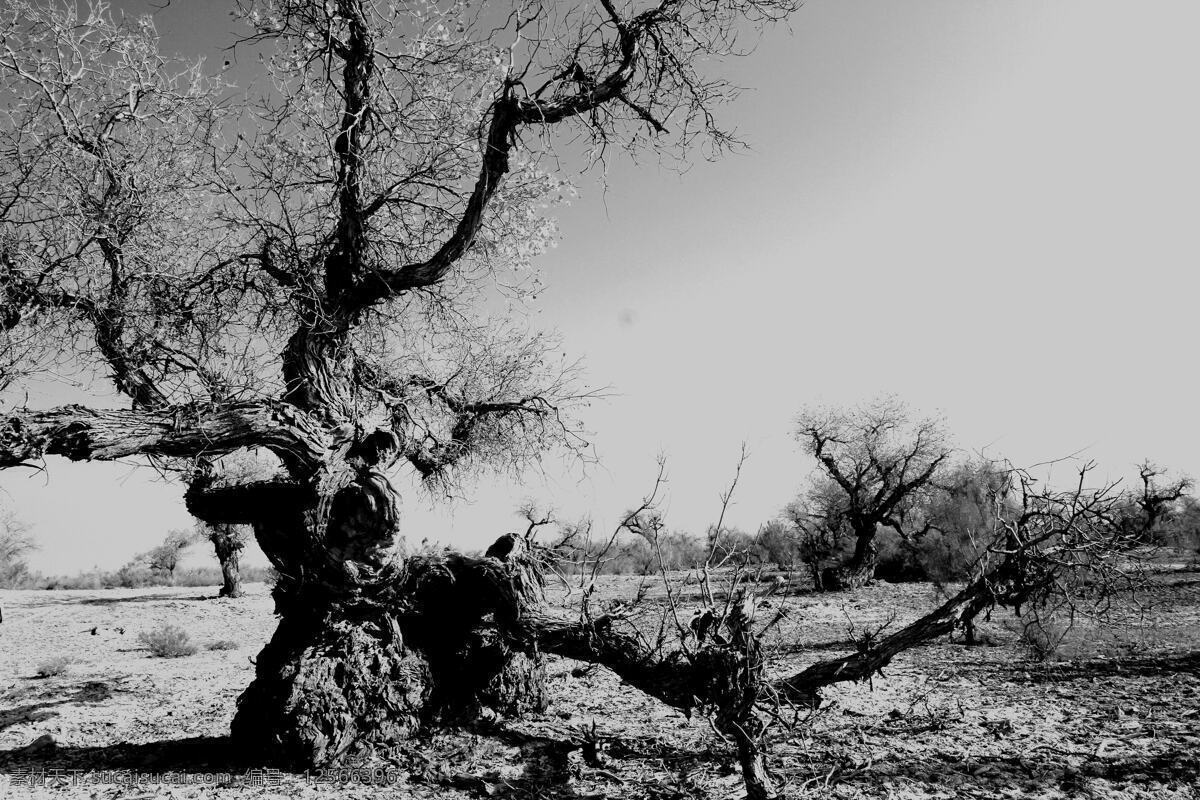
(819, 526)
(1152, 504)
(16, 543)
(1182, 530)
(165, 557)
(731, 545)
(294, 269)
(777, 542)
(959, 515)
(881, 459)
(228, 541)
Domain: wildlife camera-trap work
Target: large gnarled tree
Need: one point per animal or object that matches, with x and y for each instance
(286, 270)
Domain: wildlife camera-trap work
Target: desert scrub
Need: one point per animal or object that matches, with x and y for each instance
(168, 641)
(1042, 635)
(223, 644)
(52, 667)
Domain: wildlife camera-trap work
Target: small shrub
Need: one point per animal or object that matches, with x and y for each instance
(223, 644)
(52, 667)
(1042, 636)
(169, 641)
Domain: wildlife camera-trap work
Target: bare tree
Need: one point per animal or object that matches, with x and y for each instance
(293, 269)
(1151, 505)
(880, 459)
(165, 557)
(16, 543)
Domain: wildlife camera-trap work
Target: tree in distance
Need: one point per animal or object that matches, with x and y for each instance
(876, 463)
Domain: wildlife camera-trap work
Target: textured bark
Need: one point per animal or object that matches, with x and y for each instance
(85, 434)
(739, 686)
(859, 570)
(227, 544)
(726, 675)
(370, 649)
(723, 676)
(231, 577)
(327, 682)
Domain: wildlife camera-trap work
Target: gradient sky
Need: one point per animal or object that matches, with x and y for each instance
(988, 208)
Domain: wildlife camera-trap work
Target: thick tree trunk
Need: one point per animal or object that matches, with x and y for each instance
(859, 570)
(371, 674)
(370, 649)
(327, 682)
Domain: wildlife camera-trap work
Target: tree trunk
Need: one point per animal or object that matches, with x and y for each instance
(227, 544)
(753, 761)
(969, 632)
(816, 574)
(231, 576)
(857, 572)
(369, 649)
(737, 689)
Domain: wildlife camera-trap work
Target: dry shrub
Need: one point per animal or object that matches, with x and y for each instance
(1042, 637)
(168, 641)
(223, 644)
(1044, 632)
(52, 667)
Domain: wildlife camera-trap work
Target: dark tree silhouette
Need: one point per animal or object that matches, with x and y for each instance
(1151, 505)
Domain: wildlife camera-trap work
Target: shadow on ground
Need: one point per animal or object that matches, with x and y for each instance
(86, 692)
(493, 760)
(1148, 667)
(1033, 772)
(109, 601)
(195, 754)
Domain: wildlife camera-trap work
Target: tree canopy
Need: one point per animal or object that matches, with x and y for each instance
(320, 236)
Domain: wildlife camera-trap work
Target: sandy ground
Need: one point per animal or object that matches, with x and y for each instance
(1121, 719)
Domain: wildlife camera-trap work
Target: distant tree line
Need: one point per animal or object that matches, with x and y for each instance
(887, 498)
(158, 566)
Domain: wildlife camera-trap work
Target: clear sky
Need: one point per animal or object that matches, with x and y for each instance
(989, 208)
